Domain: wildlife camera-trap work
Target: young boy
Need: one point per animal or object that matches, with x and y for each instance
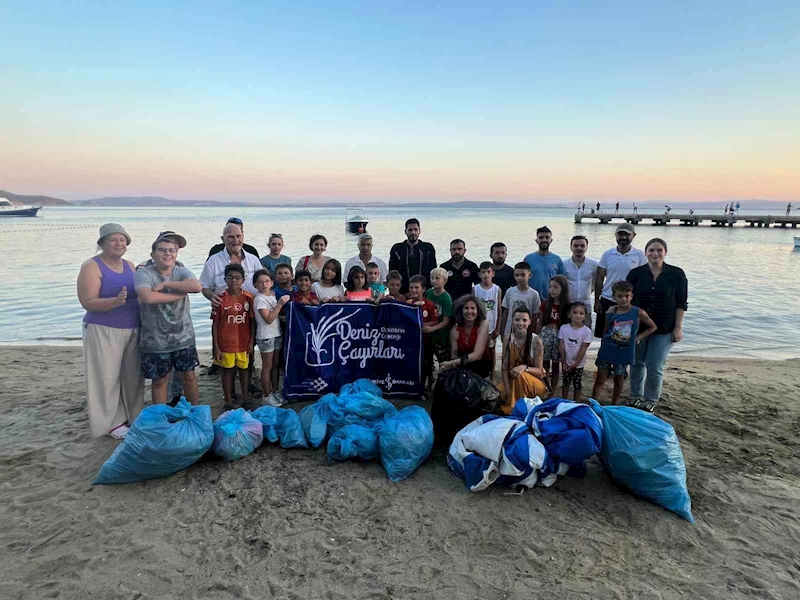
(573, 341)
(440, 337)
(492, 297)
(374, 281)
(519, 295)
(622, 332)
(394, 281)
(416, 296)
(304, 295)
(233, 329)
(283, 282)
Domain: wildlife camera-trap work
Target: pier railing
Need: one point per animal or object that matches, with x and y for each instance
(690, 219)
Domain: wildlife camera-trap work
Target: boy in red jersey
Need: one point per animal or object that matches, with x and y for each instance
(233, 328)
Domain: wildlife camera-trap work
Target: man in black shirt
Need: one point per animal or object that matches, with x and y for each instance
(247, 247)
(503, 274)
(462, 273)
(412, 257)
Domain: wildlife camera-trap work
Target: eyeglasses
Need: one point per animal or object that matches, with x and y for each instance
(234, 278)
(235, 220)
(275, 235)
(167, 250)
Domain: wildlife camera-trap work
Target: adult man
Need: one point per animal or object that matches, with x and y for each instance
(213, 275)
(462, 273)
(635, 209)
(616, 208)
(247, 247)
(614, 266)
(544, 264)
(788, 209)
(580, 272)
(598, 207)
(503, 274)
(413, 256)
(166, 337)
(364, 257)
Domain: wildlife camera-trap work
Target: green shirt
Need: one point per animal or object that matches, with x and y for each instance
(444, 306)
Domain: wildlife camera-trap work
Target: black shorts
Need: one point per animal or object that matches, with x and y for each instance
(156, 365)
(575, 376)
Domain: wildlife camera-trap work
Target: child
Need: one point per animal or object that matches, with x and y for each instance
(554, 312)
(416, 296)
(304, 295)
(490, 294)
(394, 281)
(283, 281)
(329, 287)
(573, 340)
(377, 289)
(271, 261)
(357, 288)
(268, 334)
(233, 329)
(521, 367)
(621, 334)
(519, 295)
(440, 337)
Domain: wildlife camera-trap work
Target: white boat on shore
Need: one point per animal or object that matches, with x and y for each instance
(9, 209)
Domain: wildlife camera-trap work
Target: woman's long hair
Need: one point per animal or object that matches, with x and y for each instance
(528, 347)
(562, 301)
(458, 310)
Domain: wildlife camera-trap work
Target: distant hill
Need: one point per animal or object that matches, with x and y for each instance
(153, 201)
(35, 200)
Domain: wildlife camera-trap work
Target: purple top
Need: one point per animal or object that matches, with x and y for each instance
(111, 283)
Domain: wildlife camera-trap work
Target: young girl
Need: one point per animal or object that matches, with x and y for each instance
(357, 288)
(554, 312)
(268, 334)
(522, 362)
(329, 287)
(573, 341)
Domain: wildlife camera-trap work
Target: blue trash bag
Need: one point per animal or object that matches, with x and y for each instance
(281, 425)
(163, 440)
(237, 434)
(358, 408)
(571, 432)
(353, 441)
(314, 419)
(361, 385)
(642, 453)
(405, 441)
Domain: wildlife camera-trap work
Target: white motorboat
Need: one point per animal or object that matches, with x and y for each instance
(9, 209)
(355, 221)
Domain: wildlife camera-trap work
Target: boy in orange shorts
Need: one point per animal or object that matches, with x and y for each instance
(233, 328)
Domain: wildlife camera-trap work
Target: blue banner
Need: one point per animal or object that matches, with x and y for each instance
(330, 345)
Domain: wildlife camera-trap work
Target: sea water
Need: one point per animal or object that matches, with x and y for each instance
(744, 283)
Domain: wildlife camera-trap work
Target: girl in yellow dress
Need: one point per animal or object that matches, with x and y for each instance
(522, 362)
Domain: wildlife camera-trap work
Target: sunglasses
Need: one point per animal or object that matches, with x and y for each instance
(275, 235)
(235, 220)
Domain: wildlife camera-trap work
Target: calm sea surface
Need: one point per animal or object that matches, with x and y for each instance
(744, 284)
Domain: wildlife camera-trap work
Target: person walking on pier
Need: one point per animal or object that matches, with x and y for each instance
(598, 207)
(616, 208)
(726, 209)
(635, 209)
(583, 207)
(788, 209)
(738, 206)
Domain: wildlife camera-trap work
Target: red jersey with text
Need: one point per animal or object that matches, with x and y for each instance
(234, 318)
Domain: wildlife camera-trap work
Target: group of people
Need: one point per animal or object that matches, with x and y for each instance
(138, 326)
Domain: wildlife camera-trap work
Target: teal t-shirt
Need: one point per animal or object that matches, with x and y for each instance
(444, 307)
(543, 268)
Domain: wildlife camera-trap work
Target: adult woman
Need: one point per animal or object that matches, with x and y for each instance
(274, 257)
(114, 383)
(314, 262)
(523, 359)
(660, 290)
(469, 339)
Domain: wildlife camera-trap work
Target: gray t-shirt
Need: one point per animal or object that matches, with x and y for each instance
(165, 327)
(514, 298)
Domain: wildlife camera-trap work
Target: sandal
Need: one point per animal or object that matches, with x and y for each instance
(119, 432)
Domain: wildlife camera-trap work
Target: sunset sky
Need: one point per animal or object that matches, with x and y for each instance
(535, 100)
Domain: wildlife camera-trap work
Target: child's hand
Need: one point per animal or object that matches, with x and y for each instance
(217, 355)
(251, 346)
(283, 300)
(426, 329)
(314, 302)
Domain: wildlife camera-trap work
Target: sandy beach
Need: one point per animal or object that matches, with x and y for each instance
(286, 524)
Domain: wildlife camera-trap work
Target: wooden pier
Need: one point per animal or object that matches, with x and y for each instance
(691, 220)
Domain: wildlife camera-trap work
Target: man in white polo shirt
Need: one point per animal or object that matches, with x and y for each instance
(364, 257)
(213, 275)
(580, 271)
(614, 266)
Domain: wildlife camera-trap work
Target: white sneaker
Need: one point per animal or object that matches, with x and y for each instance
(271, 400)
(279, 398)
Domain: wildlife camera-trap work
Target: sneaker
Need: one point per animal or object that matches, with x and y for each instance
(280, 398)
(119, 432)
(271, 400)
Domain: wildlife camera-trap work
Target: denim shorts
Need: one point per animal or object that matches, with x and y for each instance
(611, 368)
(267, 345)
(156, 365)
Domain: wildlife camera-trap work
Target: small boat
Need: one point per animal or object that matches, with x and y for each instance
(8, 209)
(355, 221)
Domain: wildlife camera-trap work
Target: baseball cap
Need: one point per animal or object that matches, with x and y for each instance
(109, 228)
(626, 227)
(171, 236)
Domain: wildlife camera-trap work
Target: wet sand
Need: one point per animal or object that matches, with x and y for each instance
(286, 524)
